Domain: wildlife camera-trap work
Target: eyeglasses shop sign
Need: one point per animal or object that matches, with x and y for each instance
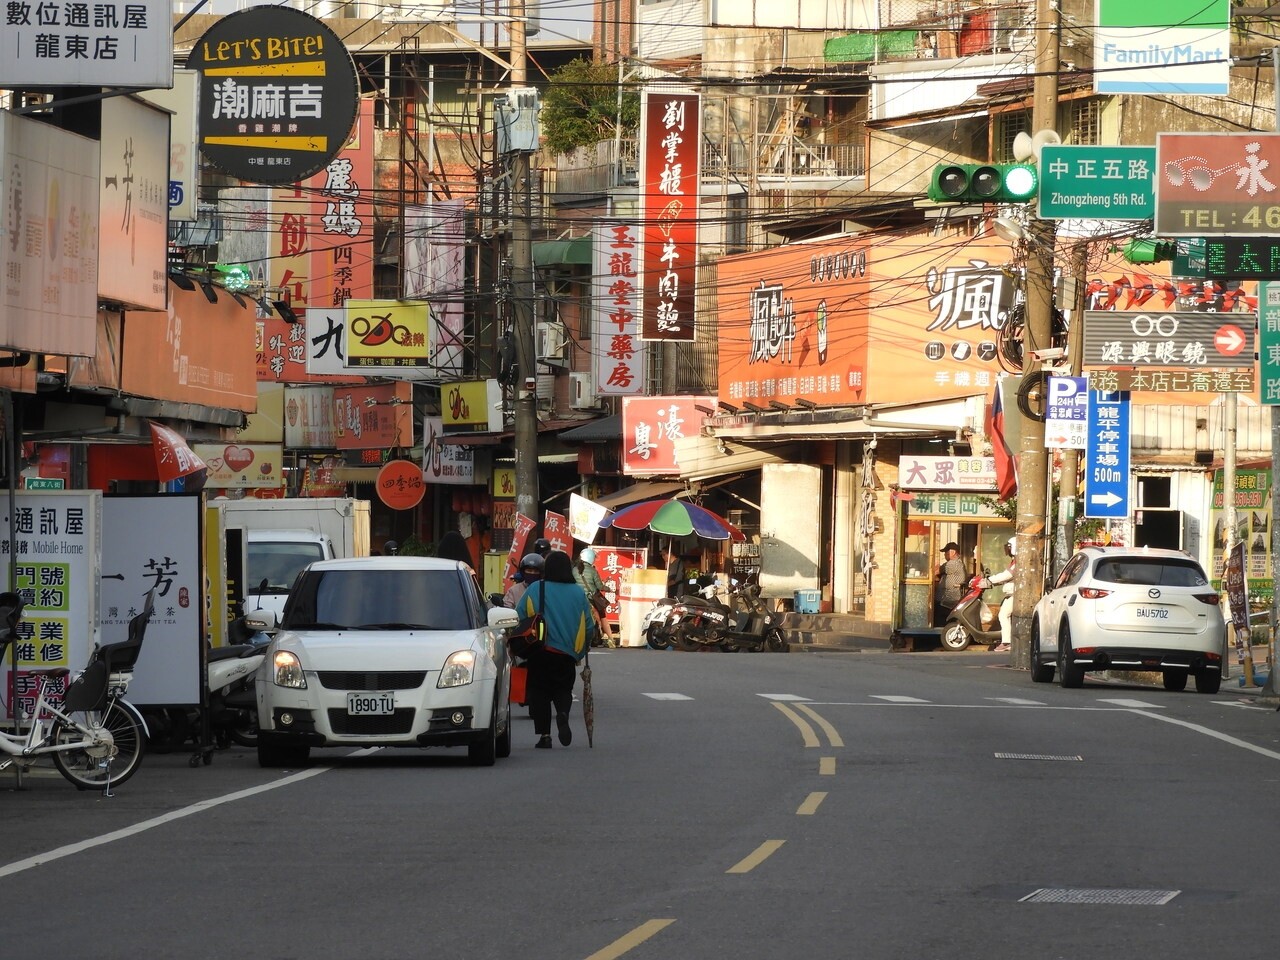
(278, 94)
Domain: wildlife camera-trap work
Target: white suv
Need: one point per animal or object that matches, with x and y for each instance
(1127, 608)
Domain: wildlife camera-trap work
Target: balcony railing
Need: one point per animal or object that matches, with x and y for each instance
(592, 172)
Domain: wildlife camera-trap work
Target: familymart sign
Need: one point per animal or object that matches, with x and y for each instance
(1173, 47)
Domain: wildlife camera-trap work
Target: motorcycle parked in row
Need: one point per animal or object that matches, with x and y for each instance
(659, 623)
(743, 623)
(231, 699)
(966, 622)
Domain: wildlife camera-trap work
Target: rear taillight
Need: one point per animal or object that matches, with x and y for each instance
(1093, 593)
(1212, 599)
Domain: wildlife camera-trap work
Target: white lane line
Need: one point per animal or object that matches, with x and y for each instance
(1135, 704)
(666, 696)
(123, 833)
(1225, 738)
(1018, 701)
(895, 699)
(782, 696)
(1242, 706)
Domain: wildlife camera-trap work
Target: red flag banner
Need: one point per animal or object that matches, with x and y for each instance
(1006, 461)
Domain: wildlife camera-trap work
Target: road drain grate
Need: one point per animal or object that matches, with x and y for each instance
(1146, 898)
(1033, 756)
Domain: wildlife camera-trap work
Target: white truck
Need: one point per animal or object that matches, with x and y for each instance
(283, 536)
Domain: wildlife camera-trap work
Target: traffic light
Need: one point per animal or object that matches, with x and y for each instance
(1150, 250)
(983, 183)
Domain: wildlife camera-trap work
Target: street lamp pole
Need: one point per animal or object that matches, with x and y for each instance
(526, 409)
(1033, 463)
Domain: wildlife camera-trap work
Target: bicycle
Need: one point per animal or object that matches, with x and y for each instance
(97, 738)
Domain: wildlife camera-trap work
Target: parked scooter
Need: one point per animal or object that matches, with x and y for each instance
(741, 624)
(231, 698)
(965, 623)
(659, 623)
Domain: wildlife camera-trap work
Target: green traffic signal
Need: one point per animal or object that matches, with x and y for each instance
(1150, 250)
(983, 183)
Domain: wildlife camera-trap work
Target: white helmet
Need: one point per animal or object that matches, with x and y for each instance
(588, 555)
(1013, 546)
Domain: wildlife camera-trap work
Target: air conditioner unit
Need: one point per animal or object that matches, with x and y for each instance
(582, 392)
(549, 344)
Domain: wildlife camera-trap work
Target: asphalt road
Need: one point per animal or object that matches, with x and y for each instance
(740, 805)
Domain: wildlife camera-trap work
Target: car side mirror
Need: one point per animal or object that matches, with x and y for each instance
(262, 621)
(500, 618)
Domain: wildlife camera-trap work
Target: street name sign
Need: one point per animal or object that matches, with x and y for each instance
(1114, 338)
(1098, 183)
(1106, 472)
(1269, 340)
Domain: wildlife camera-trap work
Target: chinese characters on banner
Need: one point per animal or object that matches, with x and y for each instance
(519, 540)
(341, 241)
(947, 473)
(669, 176)
(58, 544)
(1253, 528)
(617, 350)
(555, 527)
(651, 426)
(614, 564)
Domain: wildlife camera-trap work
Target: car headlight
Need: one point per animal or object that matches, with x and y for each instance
(289, 670)
(458, 670)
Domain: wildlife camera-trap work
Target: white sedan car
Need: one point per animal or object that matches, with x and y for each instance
(1130, 608)
(389, 652)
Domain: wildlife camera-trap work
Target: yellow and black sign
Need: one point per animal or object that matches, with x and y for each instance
(278, 94)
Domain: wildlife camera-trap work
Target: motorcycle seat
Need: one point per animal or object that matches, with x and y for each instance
(231, 652)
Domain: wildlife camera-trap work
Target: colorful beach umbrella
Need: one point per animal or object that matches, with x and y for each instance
(674, 518)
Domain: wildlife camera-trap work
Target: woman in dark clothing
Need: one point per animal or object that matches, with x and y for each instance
(570, 628)
(453, 546)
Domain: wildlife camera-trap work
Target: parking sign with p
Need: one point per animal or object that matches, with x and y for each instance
(1066, 422)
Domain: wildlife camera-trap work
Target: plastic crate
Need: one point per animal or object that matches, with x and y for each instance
(808, 601)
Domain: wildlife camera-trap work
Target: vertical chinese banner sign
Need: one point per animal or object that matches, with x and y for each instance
(670, 122)
(341, 224)
(618, 353)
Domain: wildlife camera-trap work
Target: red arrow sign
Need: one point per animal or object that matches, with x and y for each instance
(1229, 340)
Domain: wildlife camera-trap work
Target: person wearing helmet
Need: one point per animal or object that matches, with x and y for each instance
(588, 578)
(1006, 605)
(530, 571)
(542, 546)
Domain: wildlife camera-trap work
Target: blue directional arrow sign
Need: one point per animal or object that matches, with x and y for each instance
(1106, 477)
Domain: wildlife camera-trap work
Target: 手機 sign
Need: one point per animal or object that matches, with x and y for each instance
(1103, 183)
(1114, 338)
(1217, 184)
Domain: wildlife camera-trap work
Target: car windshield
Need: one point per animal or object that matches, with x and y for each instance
(380, 600)
(279, 563)
(1151, 572)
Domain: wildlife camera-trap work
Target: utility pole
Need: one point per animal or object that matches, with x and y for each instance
(1033, 473)
(526, 404)
(1067, 487)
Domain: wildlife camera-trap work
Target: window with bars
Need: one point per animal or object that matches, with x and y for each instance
(1005, 128)
(1084, 120)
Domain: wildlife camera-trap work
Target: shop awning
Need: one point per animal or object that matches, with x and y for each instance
(642, 490)
(554, 253)
(600, 430)
(702, 458)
